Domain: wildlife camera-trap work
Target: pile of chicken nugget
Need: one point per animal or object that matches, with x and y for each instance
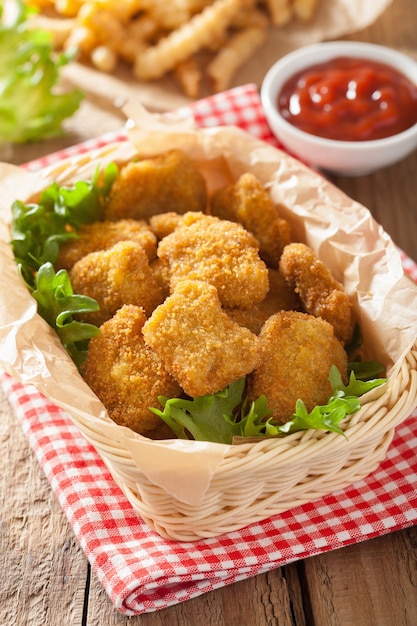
(197, 291)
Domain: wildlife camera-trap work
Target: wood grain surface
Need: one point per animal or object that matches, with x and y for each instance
(45, 579)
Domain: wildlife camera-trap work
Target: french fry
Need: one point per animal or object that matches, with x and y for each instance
(230, 58)
(139, 32)
(189, 76)
(281, 11)
(185, 41)
(250, 16)
(82, 39)
(305, 9)
(61, 28)
(69, 8)
(171, 15)
(104, 58)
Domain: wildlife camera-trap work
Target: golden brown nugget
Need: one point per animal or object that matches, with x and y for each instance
(168, 182)
(114, 277)
(104, 235)
(320, 294)
(162, 275)
(164, 224)
(252, 318)
(298, 351)
(279, 298)
(248, 203)
(201, 347)
(127, 376)
(218, 252)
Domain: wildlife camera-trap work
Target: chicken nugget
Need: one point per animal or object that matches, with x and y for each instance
(279, 298)
(298, 351)
(169, 182)
(320, 294)
(127, 376)
(248, 203)
(162, 275)
(114, 277)
(218, 252)
(201, 347)
(164, 224)
(104, 235)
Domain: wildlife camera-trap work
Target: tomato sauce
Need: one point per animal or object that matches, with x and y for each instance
(349, 99)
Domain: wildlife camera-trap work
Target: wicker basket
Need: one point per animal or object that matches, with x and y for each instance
(254, 480)
(257, 480)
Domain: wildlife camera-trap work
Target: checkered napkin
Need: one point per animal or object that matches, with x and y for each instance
(143, 572)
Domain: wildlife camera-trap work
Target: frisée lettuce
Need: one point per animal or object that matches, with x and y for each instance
(224, 415)
(38, 230)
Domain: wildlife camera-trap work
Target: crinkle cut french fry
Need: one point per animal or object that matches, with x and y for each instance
(250, 17)
(82, 39)
(69, 8)
(61, 28)
(170, 15)
(305, 9)
(185, 41)
(281, 11)
(230, 58)
(138, 34)
(104, 58)
(189, 76)
(122, 10)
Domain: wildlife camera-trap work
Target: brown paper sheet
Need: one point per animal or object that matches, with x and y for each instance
(334, 18)
(341, 231)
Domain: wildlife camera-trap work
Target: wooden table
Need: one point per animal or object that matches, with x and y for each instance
(45, 579)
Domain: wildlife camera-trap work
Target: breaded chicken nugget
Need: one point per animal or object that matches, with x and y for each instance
(114, 277)
(127, 375)
(162, 275)
(104, 235)
(248, 203)
(298, 351)
(169, 182)
(164, 224)
(218, 252)
(279, 298)
(201, 347)
(320, 294)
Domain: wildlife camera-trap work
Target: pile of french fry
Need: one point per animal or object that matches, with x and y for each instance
(157, 37)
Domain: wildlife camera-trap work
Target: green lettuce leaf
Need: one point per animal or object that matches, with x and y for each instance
(57, 304)
(38, 229)
(224, 415)
(206, 418)
(32, 104)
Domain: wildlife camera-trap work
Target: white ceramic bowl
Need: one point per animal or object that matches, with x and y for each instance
(348, 158)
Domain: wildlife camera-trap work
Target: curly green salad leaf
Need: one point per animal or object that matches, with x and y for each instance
(224, 415)
(38, 229)
(32, 104)
(57, 304)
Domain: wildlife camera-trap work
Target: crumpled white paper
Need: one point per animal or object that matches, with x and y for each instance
(340, 230)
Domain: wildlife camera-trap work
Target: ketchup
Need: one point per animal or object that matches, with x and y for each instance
(349, 99)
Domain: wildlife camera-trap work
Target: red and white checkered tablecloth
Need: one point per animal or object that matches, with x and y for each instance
(143, 572)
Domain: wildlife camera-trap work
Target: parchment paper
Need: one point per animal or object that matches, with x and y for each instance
(341, 231)
(334, 18)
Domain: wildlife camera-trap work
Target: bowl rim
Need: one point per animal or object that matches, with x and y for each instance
(327, 50)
